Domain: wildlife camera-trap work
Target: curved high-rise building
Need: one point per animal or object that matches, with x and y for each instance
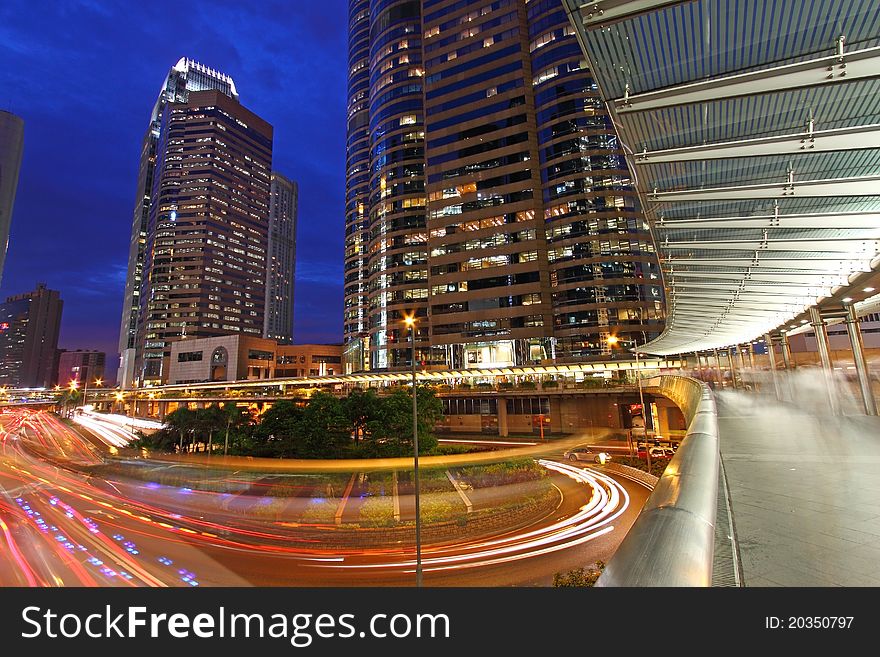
(386, 239)
(11, 148)
(604, 273)
(357, 187)
(499, 209)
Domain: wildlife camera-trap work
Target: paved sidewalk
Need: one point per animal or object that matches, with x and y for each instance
(805, 492)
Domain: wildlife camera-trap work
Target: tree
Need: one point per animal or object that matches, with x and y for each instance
(181, 422)
(361, 407)
(68, 400)
(393, 426)
(278, 431)
(322, 428)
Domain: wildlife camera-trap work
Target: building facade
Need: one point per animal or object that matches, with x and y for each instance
(11, 149)
(82, 365)
(29, 326)
(281, 260)
(243, 357)
(487, 193)
(204, 267)
(184, 77)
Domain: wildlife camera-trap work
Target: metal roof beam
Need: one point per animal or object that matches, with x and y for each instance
(857, 186)
(762, 291)
(835, 220)
(788, 278)
(865, 244)
(805, 264)
(731, 295)
(842, 139)
(845, 67)
(595, 12)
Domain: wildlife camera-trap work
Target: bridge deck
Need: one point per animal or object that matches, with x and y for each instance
(804, 490)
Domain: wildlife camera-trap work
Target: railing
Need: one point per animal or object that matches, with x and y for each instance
(672, 541)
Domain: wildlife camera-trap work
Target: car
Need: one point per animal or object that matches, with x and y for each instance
(586, 454)
(656, 453)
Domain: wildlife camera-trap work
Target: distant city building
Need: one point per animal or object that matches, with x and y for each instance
(81, 366)
(197, 262)
(11, 148)
(29, 325)
(281, 262)
(486, 193)
(243, 357)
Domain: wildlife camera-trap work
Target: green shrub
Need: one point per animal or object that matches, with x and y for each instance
(442, 507)
(579, 576)
(377, 512)
(323, 512)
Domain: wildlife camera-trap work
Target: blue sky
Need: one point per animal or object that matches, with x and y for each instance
(84, 76)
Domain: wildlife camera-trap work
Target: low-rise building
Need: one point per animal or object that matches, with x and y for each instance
(81, 365)
(243, 357)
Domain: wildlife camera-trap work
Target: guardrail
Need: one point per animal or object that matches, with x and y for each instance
(672, 541)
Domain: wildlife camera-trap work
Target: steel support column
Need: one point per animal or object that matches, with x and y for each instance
(730, 358)
(718, 369)
(858, 349)
(787, 361)
(768, 340)
(821, 330)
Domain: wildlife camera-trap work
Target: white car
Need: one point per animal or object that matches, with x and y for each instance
(586, 454)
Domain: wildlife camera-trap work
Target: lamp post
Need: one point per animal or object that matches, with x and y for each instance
(613, 340)
(410, 321)
(74, 384)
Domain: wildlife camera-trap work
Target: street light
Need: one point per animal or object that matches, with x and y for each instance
(73, 386)
(98, 383)
(613, 340)
(410, 321)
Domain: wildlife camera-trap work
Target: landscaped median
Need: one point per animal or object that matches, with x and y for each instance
(359, 509)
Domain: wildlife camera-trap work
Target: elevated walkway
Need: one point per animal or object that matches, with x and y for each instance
(804, 489)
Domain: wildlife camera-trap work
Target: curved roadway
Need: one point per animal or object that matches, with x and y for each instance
(60, 526)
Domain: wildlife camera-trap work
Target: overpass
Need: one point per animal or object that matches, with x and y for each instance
(752, 132)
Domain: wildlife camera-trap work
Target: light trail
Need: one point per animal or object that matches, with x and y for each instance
(607, 502)
(94, 531)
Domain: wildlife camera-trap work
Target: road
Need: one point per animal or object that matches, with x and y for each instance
(61, 525)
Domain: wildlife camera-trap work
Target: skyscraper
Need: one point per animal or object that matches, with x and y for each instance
(281, 260)
(29, 325)
(486, 192)
(206, 179)
(11, 148)
(184, 77)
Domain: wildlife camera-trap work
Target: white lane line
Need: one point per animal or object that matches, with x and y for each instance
(457, 485)
(341, 508)
(395, 497)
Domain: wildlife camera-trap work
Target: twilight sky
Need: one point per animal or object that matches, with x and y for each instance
(85, 74)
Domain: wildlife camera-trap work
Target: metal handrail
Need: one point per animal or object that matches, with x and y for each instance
(672, 541)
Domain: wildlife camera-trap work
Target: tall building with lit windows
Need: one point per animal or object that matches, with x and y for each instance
(206, 233)
(487, 193)
(184, 77)
(281, 260)
(11, 149)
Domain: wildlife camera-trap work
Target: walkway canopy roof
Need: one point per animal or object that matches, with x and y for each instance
(752, 129)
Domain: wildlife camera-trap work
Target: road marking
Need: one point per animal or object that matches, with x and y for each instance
(396, 499)
(341, 508)
(457, 485)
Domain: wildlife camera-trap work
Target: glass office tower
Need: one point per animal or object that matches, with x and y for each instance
(184, 77)
(496, 204)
